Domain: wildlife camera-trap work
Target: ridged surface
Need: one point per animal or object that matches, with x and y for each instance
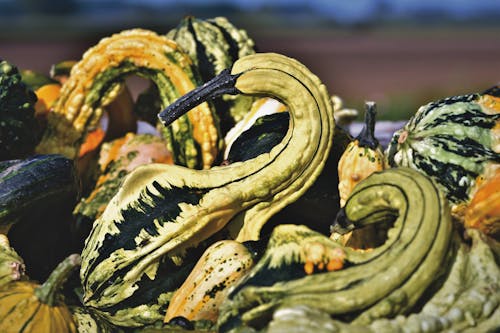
(95, 80)
(131, 259)
(380, 283)
(452, 141)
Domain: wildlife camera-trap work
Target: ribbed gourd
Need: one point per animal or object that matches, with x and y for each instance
(215, 44)
(381, 283)
(134, 254)
(97, 78)
(19, 130)
(11, 264)
(26, 306)
(37, 195)
(453, 141)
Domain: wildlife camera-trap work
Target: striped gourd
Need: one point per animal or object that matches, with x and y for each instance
(380, 283)
(215, 44)
(95, 80)
(117, 158)
(452, 141)
(134, 254)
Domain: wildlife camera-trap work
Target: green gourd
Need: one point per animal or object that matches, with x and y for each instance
(381, 283)
(215, 44)
(453, 141)
(137, 251)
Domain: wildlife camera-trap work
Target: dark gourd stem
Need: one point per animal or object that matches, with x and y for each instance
(219, 85)
(46, 293)
(342, 225)
(366, 138)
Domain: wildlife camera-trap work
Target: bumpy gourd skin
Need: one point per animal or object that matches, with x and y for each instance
(95, 81)
(19, 131)
(381, 283)
(467, 301)
(136, 247)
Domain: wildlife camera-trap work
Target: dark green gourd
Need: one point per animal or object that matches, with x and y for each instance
(37, 196)
(19, 130)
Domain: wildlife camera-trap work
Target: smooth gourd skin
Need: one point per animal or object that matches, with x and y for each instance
(384, 282)
(453, 141)
(37, 195)
(162, 211)
(97, 78)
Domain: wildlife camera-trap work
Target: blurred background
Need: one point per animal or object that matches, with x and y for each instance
(399, 53)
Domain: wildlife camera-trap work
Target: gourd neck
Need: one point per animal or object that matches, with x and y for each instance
(366, 138)
(47, 292)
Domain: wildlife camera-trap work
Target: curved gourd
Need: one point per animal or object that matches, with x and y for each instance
(467, 301)
(95, 80)
(383, 282)
(131, 258)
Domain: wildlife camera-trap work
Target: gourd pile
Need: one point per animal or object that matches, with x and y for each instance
(245, 207)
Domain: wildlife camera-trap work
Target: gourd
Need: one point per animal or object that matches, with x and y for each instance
(467, 301)
(381, 283)
(483, 211)
(133, 256)
(37, 195)
(26, 306)
(453, 141)
(215, 44)
(259, 120)
(221, 266)
(97, 78)
(19, 131)
(362, 157)
(11, 264)
(117, 159)
(33, 183)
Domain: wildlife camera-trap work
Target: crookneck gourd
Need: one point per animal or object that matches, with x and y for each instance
(215, 44)
(97, 78)
(133, 256)
(467, 301)
(453, 141)
(381, 283)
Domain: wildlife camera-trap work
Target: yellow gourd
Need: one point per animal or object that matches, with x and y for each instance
(26, 306)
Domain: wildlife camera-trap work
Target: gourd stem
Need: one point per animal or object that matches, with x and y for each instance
(219, 85)
(46, 293)
(366, 138)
